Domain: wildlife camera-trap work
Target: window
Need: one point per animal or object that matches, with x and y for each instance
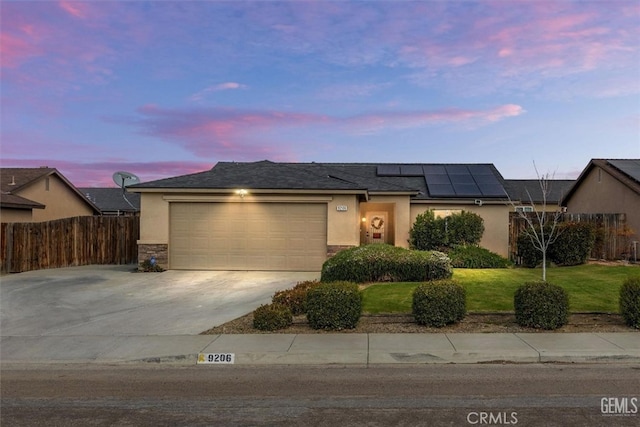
(524, 208)
(46, 184)
(443, 213)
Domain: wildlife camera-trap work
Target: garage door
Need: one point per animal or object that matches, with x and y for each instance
(248, 236)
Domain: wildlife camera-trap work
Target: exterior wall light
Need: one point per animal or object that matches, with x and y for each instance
(242, 192)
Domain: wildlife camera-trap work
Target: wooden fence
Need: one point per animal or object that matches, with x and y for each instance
(68, 242)
(612, 240)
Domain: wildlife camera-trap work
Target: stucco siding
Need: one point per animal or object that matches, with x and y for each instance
(599, 192)
(60, 201)
(16, 215)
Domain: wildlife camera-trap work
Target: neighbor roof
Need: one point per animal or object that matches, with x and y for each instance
(357, 177)
(529, 190)
(13, 180)
(627, 171)
(112, 199)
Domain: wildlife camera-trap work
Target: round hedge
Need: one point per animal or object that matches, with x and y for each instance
(439, 303)
(271, 317)
(541, 305)
(334, 306)
(386, 263)
(630, 302)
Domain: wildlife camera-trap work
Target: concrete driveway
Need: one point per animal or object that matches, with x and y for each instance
(116, 301)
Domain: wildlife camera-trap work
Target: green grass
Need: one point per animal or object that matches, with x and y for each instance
(591, 288)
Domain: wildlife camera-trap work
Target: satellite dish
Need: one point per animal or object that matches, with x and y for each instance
(125, 179)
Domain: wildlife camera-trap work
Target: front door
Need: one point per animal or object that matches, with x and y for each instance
(376, 226)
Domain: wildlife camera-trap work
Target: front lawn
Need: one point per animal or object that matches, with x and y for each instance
(591, 288)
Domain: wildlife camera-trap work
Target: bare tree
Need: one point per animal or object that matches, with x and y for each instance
(542, 225)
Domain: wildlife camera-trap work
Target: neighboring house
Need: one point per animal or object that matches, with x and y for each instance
(608, 186)
(527, 194)
(113, 201)
(40, 194)
(292, 216)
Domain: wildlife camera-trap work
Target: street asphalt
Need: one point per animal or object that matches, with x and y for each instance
(111, 314)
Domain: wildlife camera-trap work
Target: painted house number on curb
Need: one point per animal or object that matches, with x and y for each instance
(216, 358)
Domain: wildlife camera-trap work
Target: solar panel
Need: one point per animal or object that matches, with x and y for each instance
(434, 170)
(462, 179)
(437, 179)
(480, 170)
(441, 190)
(492, 190)
(468, 190)
(388, 170)
(457, 169)
(411, 170)
(486, 179)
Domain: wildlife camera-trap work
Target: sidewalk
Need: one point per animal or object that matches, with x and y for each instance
(323, 349)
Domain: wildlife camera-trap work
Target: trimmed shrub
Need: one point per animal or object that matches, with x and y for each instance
(476, 257)
(271, 317)
(428, 232)
(385, 263)
(464, 228)
(439, 303)
(295, 298)
(574, 243)
(334, 306)
(630, 302)
(541, 305)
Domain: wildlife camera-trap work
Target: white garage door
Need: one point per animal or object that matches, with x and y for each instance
(248, 236)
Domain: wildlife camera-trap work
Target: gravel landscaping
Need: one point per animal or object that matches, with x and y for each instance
(472, 323)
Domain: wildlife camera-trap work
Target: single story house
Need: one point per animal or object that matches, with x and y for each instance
(608, 186)
(113, 201)
(527, 195)
(292, 216)
(40, 194)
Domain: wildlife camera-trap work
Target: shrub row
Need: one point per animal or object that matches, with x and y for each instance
(334, 305)
(386, 263)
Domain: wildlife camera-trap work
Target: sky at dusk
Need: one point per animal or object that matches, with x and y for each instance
(166, 88)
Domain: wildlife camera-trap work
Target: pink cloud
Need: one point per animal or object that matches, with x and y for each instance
(247, 135)
(76, 9)
(217, 88)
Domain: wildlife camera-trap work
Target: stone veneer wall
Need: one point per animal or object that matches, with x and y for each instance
(160, 251)
(334, 249)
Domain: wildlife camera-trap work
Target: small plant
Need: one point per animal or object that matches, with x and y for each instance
(541, 305)
(470, 256)
(439, 303)
(271, 317)
(385, 263)
(295, 298)
(630, 302)
(150, 266)
(334, 306)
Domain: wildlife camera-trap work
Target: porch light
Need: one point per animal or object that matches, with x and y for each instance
(364, 219)
(242, 192)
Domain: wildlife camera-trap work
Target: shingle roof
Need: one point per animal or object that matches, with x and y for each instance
(13, 180)
(112, 199)
(529, 190)
(627, 171)
(357, 177)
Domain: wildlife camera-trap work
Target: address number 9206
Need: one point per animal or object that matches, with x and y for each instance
(216, 358)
